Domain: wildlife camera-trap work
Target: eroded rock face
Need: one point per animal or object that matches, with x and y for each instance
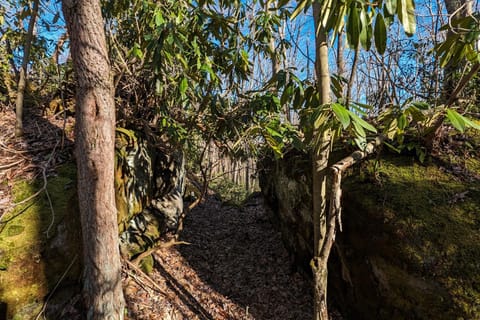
(149, 187)
(169, 187)
(41, 243)
(286, 186)
(409, 249)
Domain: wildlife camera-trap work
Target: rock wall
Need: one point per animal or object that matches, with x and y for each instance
(410, 248)
(286, 186)
(41, 243)
(149, 184)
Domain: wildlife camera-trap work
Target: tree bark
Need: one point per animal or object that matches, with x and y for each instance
(320, 164)
(341, 58)
(455, 9)
(22, 81)
(95, 134)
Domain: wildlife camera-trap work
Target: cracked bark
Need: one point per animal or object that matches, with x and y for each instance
(95, 134)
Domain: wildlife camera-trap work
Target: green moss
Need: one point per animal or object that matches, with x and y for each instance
(31, 262)
(473, 165)
(14, 230)
(147, 264)
(430, 221)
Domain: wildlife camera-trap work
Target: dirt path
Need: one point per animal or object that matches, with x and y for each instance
(235, 268)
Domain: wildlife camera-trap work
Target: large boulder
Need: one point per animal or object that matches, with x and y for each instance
(149, 186)
(410, 244)
(40, 241)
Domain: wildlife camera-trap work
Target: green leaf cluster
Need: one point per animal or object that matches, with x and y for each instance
(460, 122)
(303, 97)
(406, 127)
(461, 42)
(363, 21)
(182, 65)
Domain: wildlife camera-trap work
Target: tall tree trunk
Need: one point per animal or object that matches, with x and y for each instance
(22, 81)
(320, 165)
(247, 175)
(273, 55)
(341, 58)
(456, 9)
(95, 134)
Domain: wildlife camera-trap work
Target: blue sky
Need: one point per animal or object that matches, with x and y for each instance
(50, 32)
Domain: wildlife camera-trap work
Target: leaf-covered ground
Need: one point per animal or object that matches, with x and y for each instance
(235, 268)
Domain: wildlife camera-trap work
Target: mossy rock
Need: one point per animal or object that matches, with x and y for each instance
(415, 230)
(14, 230)
(147, 264)
(37, 245)
(133, 175)
(411, 235)
(40, 242)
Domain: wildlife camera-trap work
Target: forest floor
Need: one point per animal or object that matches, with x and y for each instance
(234, 267)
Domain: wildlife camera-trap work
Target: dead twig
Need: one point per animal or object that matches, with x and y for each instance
(42, 311)
(11, 165)
(4, 223)
(10, 150)
(46, 191)
(33, 196)
(139, 281)
(42, 189)
(146, 276)
(164, 245)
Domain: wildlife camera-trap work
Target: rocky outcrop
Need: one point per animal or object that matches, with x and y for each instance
(41, 243)
(410, 244)
(286, 186)
(149, 183)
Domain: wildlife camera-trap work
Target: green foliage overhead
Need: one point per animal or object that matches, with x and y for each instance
(359, 17)
(406, 127)
(303, 97)
(461, 42)
(380, 33)
(406, 14)
(182, 65)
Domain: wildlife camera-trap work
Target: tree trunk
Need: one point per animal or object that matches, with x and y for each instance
(22, 81)
(456, 9)
(95, 134)
(247, 175)
(273, 55)
(320, 165)
(341, 58)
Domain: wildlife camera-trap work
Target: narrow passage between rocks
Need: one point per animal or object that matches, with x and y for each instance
(235, 268)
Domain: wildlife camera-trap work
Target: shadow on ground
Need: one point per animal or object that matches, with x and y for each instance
(239, 254)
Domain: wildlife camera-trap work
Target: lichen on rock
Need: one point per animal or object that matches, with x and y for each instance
(149, 184)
